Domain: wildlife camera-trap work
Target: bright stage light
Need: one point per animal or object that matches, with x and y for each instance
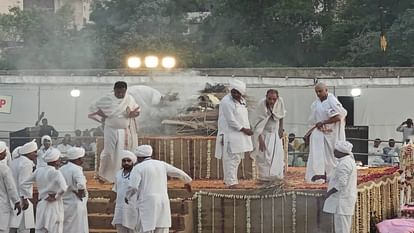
(75, 93)
(168, 62)
(134, 62)
(151, 61)
(355, 92)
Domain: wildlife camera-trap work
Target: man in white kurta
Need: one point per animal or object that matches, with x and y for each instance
(342, 188)
(328, 121)
(234, 133)
(125, 215)
(51, 186)
(117, 111)
(75, 198)
(268, 129)
(8, 193)
(22, 168)
(46, 145)
(149, 181)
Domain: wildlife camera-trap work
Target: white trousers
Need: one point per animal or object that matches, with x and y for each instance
(110, 162)
(158, 230)
(231, 164)
(343, 223)
(122, 229)
(20, 230)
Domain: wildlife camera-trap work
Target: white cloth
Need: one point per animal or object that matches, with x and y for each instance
(51, 155)
(159, 230)
(149, 181)
(145, 96)
(269, 163)
(143, 151)
(375, 156)
(40, 156)
(28, 147)
(231, 162)
(343, 223)
(321, 158)
(128, 154)
(122, 229)
(75, 210)
(6, 161)
(344, 147)
(233, 116)
(75, 153)
(49, 215)
(344, 180)
(22, 169)
(125, 215)
(240, 86)
(8, 195)
(63, 148)
(120, 132)
(15, 152)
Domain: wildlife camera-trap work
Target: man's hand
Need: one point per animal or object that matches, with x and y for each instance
(262, 144)
(80, 194)
(319, 125)
(132, 113)
(25, 204)
(126, 201)
(188, 187)
(18, 208)
(404, 122)
(280, 133)
(248, 132)
(318, 177)
(51, 197)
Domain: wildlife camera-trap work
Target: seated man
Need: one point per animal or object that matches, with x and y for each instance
(375, 154)
(391, 153)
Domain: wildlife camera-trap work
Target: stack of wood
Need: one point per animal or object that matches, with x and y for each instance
(201, 117)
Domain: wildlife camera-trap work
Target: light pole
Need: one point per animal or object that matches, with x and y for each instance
(75, 93)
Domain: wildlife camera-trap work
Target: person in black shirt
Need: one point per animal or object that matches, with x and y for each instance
(46, 129)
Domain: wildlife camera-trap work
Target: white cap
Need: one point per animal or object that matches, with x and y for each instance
(28, 147)
(46, 137)
(52, 155)
(128, 154)
(143, 151)
(238, 85)
(15, 153)
(75, 153)
(3, 146)
(344, 147)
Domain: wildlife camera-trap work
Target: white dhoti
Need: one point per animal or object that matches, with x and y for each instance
(321, 158)
(343, 223)
(270, 163)
(231, 162)
(49, 217)
(122, 229)
(158, 230)
(110, 162)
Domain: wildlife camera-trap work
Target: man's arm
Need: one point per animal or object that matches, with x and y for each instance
(400, 128)
(177, 173)
(331, 120)
(133, 185)
(280, 128)
(10, 185)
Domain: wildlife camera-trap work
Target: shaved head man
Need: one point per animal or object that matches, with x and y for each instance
(328, 117)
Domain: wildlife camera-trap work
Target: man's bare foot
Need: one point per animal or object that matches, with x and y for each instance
(234, 186)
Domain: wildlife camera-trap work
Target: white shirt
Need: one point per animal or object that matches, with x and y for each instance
(344, 180)
(63, 148)
(8, 195)
(75, 181)
(149, 180)
(124, 214)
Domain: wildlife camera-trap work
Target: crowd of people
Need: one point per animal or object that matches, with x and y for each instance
(142, 203)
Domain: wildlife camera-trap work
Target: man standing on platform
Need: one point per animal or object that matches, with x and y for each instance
(51, 186)
(117, 111)
(328, 118)
(75, 198)
(149, 181)
(342, 188)
(22, 168)
(125, 215)
(234, 133)
(268, 129)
